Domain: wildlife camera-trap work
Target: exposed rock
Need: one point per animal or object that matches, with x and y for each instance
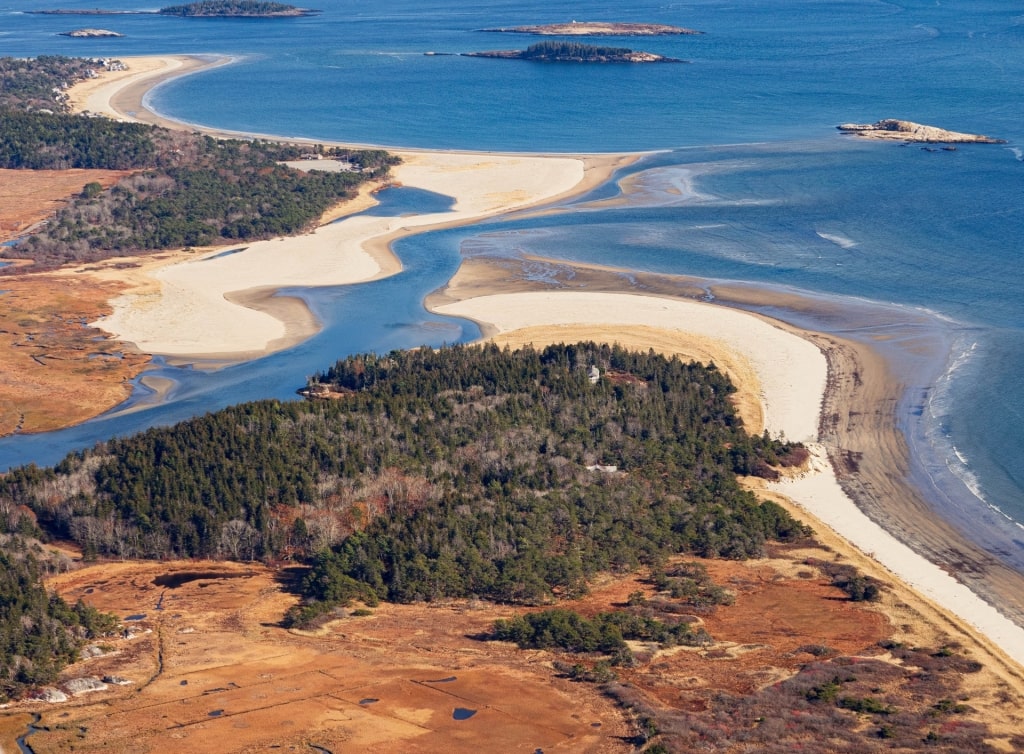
(90, 33)
(323, 391)
(85, 685)
(117, 680)
(49, 694)
(597, 29)
(905, 130)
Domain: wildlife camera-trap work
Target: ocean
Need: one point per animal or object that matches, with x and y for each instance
(747, 181)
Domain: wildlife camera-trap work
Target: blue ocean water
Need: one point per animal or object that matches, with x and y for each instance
(750, 182)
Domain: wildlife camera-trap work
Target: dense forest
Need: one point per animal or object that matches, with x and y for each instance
(226, 190)
(557, 50)
(39, 632)
(233, 8)
(191, 190)
(431, 474)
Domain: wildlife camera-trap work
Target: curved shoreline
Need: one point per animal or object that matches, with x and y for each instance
(354, 249)
(914, 546)
(1010, 639)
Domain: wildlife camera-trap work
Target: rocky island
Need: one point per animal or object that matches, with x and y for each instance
(90, 33)
(905, 130)
(597, 29)
(574, 52)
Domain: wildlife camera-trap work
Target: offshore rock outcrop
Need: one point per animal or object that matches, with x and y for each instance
(905, 130)
(597, 29)
(90, 33)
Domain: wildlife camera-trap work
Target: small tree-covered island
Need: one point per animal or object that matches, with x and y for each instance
(248, 8)
(575, 52)
(205, 8)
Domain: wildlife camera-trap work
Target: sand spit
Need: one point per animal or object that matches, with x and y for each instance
(216, 304)
(200, 305)
(791, 379)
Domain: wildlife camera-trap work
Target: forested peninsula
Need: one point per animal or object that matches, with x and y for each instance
(515, 476)
(186, 189)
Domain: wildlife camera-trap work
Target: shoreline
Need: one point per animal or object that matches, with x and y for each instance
(833, 495)
(381, 241)
(356, 248)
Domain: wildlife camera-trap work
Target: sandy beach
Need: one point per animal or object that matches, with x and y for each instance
(231, 286)
(785, 378)
(793, 378)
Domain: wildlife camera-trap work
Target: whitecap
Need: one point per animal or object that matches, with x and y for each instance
(840, 241)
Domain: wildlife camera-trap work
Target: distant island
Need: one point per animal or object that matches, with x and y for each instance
(90, 33)
(246, 8)
(87, 12)
(574, 52)
(905, 130)
(597, 29)
(204, 9)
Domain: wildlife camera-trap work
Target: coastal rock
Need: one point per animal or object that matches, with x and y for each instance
(597, 29)
(90, 33)
(905, 130)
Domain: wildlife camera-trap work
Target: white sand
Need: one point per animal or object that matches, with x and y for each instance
(792, 375)
(94, 95)
(791, 370)
(190, 315)
(820, 494)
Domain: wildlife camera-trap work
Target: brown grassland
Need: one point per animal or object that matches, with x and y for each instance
(212, 670)
(54, 371)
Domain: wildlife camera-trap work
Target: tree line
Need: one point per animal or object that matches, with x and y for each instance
(39, 632)
(558, 50)
(230, 8)
(457, 472)
(189, 189)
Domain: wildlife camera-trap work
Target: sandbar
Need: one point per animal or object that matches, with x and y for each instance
(204, 307)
